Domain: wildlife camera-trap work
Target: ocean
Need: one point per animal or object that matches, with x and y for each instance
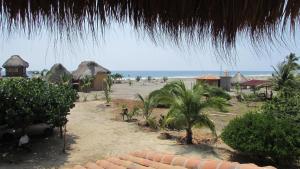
(187, 74)
(177, 74)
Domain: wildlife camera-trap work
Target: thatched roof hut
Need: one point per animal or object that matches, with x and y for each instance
(15, 61)
(57, 73)
(91, 69)
(15, 66)
(88, 68)
(193, 20)
(238, 78)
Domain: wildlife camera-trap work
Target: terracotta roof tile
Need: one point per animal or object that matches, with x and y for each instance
(155, 160)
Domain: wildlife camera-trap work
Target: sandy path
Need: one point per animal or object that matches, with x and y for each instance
(98, 136)
(93, 135)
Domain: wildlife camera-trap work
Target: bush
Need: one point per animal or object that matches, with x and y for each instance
(24, 102)
(133, 113)
(152, 123)
(284, 107)
(138, 78)
(218, 92)
(264, 135)
(165, 79)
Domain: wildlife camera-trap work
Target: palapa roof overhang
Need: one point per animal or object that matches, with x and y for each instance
(190, 20)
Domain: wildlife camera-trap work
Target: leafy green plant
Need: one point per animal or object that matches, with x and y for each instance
(133, 113)
(187, 106)
(109, 82)
(86, 83)
(107, 94)
(152, 123)
(165, 79)
(138, 78)
(284, 78)
(263, 135)
(24, 102)
(148, 104)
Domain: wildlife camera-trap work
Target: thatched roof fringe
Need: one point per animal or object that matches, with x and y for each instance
(193, 20)
(15, 61)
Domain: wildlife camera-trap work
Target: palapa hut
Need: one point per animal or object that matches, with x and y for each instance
(91, 69)
(57, 73)
(15, 66)
(238, 78)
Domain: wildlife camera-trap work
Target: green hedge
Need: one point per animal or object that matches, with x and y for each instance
(24, 102)
(264, 135)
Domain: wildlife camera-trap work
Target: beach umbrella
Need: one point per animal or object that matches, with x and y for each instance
(193, 21)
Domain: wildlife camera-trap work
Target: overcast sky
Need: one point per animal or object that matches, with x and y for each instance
(123, 49)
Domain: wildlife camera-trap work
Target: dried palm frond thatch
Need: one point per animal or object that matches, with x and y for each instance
(191, 20)
(57, 73)
(15, 61)
(88, 69)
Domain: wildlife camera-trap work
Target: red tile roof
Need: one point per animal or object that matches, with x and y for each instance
(255, 83)
(208, 77)
(155, 160)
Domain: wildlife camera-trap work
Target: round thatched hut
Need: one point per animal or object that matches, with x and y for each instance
(15, 66)
(57, 74)
(238, 78)
(91, 69)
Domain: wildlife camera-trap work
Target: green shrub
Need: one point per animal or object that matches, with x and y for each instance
(218, 92)
(152, 123)
(264, 135)
(165, 79)
(133, 113)
(138, 78)
(24, 102)
(284, 107)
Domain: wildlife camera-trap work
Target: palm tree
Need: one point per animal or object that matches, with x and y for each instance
(284, 77)
(148, 104)
(187, 106)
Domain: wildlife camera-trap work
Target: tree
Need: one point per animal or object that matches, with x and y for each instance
(284, 78)
(117, 77)
(187, 106)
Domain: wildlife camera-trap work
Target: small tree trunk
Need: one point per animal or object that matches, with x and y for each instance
(189, 136)
(61, 131)
(65, 132)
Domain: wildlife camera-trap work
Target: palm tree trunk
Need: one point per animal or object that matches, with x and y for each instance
(189, 136)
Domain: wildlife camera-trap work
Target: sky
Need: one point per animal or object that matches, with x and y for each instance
(123, 49)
